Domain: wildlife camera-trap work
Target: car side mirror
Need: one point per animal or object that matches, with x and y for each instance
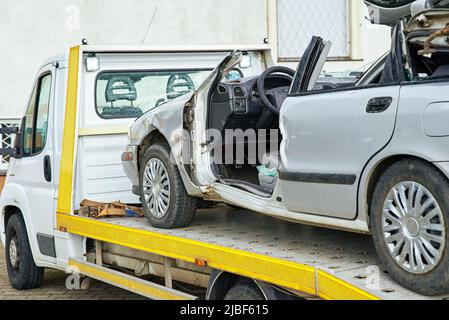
(16, 151)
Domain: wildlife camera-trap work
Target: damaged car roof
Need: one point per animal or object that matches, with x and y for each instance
(387, 12)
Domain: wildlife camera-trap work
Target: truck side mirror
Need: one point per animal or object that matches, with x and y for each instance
(16, 151)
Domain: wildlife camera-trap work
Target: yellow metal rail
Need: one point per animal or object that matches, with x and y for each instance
(280, 272)
(68, 138)
(127, 282)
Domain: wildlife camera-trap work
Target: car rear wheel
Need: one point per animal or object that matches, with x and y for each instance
(410, 224)
(22, 271)
(164, 199)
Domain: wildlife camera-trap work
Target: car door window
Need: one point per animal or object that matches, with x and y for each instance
(36, 118)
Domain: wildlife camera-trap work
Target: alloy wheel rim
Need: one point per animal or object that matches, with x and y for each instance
(413, 227)
(156, 188)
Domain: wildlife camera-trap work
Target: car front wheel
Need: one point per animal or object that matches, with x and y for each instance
(164, 198)
(410, 220)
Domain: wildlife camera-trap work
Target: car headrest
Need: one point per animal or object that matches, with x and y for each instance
(178, 85)
(120, 88)
(441, 71)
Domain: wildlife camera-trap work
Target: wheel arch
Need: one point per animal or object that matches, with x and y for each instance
(377, 171)
(157, 135)
(152, 137)
(9, 211)
(14, 200)
(220, 282)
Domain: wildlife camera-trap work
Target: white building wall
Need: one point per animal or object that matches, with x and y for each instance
(31, 31)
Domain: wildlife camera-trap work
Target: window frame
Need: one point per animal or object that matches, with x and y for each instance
(396, 51)
(119, 71)
(37, 86)
(352, 33)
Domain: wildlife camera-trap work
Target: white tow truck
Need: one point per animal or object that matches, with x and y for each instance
(68, 148)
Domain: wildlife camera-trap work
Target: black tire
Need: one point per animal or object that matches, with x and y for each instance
(24, 274)
(245, 290)
(436, 280)
(182, 207)
(203, 204)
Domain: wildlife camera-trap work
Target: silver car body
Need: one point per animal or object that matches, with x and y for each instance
(330, 142)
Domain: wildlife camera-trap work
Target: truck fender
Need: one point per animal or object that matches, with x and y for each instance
(220, 282)
(14, 196)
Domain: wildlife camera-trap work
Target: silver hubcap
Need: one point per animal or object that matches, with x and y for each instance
(413, 227)
(13, 256)
(156, 188)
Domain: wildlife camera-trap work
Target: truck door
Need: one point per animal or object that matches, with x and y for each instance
(33, 170)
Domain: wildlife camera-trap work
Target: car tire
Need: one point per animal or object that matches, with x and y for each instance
(169, 206)
(244, 290)
(410, 224)
(22, 271)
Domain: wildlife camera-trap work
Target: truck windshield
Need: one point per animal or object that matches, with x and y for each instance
(132, 93)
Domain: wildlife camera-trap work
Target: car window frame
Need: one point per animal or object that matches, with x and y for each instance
(34, 104)
(396, 50)
(119, 71)
(428, 80)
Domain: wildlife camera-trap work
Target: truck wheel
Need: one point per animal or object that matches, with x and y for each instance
(410, 220)
(164, 198)
(22, 271)
(245, 290)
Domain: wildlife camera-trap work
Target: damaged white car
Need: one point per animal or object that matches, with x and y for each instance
(370, 157)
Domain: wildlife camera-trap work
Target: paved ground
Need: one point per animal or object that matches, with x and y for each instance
(54, 288)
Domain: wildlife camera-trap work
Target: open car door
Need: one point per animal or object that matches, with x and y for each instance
(311, 64)
(330, 135)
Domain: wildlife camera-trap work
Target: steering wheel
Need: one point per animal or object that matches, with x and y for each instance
(261, 85)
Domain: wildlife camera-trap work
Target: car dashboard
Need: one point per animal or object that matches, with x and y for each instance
(237, 105)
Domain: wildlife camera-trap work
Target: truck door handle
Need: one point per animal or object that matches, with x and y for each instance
(47, 168)
(379, 105)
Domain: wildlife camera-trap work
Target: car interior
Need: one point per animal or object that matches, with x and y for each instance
(254, 103)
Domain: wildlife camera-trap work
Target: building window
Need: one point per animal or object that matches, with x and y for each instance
(299, 20)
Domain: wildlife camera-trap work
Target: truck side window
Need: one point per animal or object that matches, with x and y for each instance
(130, 94)
(36, 122)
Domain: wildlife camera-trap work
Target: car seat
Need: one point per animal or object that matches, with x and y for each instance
(441, 71)
(178, 85)
(121, 88)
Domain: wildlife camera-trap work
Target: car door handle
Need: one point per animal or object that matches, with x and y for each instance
(47, 168)
(379, 105)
